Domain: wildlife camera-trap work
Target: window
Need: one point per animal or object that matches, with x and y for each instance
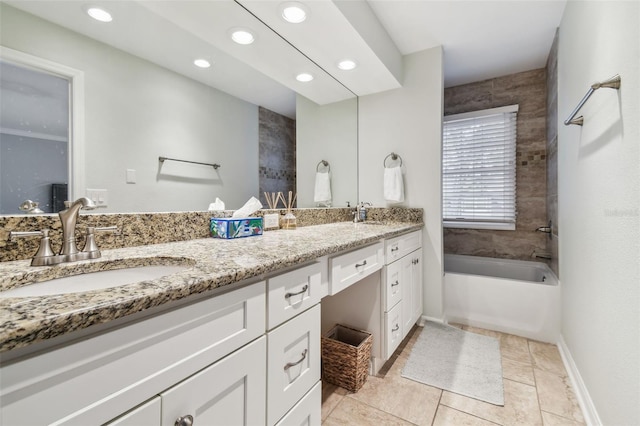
(479, 169)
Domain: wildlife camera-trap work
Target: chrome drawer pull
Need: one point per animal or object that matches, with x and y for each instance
(395, 249)
(364, 262)
(293, 364)
(288, 295)
(395, 283)
(396, 328)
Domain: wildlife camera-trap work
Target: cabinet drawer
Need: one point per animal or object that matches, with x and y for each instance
(397, 247)
(393, 324)
(146, 414)
(349, 268)
(307, 412)
(292, 293)
(293, 362)
(393, 285)
(125, 361)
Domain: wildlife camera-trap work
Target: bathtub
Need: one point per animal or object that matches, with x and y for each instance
(512, 296)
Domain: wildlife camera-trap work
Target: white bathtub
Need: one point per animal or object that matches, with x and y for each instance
(512, 296)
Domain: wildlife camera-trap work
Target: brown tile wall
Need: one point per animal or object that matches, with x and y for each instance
(277, 153)
(529, 90)
(552, 152)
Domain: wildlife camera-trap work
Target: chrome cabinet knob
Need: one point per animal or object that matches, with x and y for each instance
(184, 420)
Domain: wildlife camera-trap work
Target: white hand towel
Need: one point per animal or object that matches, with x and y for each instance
(393, 184)
(322, 192)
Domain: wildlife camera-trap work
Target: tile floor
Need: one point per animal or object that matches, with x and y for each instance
(536, 392)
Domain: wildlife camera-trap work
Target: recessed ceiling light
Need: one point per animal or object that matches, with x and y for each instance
(202, 63)
(242, 35)
(293, 12)
(304, 77)
(347, 64)
(99, 14)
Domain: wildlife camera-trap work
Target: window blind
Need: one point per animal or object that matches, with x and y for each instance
(479, 169)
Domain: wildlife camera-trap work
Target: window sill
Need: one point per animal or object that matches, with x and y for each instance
(480, 225)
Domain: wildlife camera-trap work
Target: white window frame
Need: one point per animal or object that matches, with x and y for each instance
(469, 223)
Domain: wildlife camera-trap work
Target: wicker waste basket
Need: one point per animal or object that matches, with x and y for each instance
(345, 357)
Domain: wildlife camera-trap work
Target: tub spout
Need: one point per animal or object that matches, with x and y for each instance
(541, 255)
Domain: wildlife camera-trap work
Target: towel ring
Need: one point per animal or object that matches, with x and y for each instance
(324, 163)
(394, 157)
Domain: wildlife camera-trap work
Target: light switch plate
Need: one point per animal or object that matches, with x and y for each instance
(98, 196)
(131, 176)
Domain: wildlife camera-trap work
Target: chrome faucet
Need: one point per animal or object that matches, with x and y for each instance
(68, 218)
(69, 251)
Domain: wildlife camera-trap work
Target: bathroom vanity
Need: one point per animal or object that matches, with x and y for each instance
(232, 339)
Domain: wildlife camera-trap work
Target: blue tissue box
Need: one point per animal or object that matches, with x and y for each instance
(229, 228)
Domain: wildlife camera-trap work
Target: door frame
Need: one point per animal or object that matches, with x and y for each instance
(76, 148)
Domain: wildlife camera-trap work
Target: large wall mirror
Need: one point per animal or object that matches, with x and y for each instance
(142, 98)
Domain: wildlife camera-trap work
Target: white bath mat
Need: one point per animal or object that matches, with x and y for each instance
(465, 363)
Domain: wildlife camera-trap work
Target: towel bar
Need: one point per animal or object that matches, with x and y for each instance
(324, 163)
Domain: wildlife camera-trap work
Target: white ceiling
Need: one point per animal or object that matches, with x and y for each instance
(481, 39)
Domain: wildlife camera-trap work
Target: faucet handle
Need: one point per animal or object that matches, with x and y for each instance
(90, 245)
(44, 255)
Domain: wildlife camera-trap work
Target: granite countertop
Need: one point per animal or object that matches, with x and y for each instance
(212, 263)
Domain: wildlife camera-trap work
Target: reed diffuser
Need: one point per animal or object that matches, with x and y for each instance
(289, 221)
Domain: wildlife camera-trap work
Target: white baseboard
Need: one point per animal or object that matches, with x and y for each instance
(589, 412)
(425, 318)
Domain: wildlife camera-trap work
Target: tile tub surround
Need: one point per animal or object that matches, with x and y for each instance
(216, 263)
(529, 90)
(138, 229)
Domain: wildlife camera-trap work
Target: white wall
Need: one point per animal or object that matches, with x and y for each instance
(136, 111)
(327, 132)
(408, 121)
(599, 205)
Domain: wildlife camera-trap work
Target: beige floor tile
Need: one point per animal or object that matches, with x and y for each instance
(403, 398)
(517, 371)
(515, 348)
(549, 419)
(520, 405)
(331, 397)
(484, 332)
(351, 412)
(556, 395)
(546, 356)
(449, 417)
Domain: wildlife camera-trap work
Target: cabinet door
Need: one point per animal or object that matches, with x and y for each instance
(416, 287)
(412, 290)
(229, 392)
(407, 264)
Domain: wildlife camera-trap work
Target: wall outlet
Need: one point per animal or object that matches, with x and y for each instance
(131, 176)
(271, 220)
(98, 196)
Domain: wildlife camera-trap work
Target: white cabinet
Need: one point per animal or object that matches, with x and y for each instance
(307, 412)
(229, 392)
(402, 296)
(97, 378)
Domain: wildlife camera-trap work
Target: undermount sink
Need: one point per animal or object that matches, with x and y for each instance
(93, 281)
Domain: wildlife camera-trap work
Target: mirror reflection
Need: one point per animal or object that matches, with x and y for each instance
(136, 111)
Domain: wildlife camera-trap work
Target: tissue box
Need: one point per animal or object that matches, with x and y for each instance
(229, 228)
